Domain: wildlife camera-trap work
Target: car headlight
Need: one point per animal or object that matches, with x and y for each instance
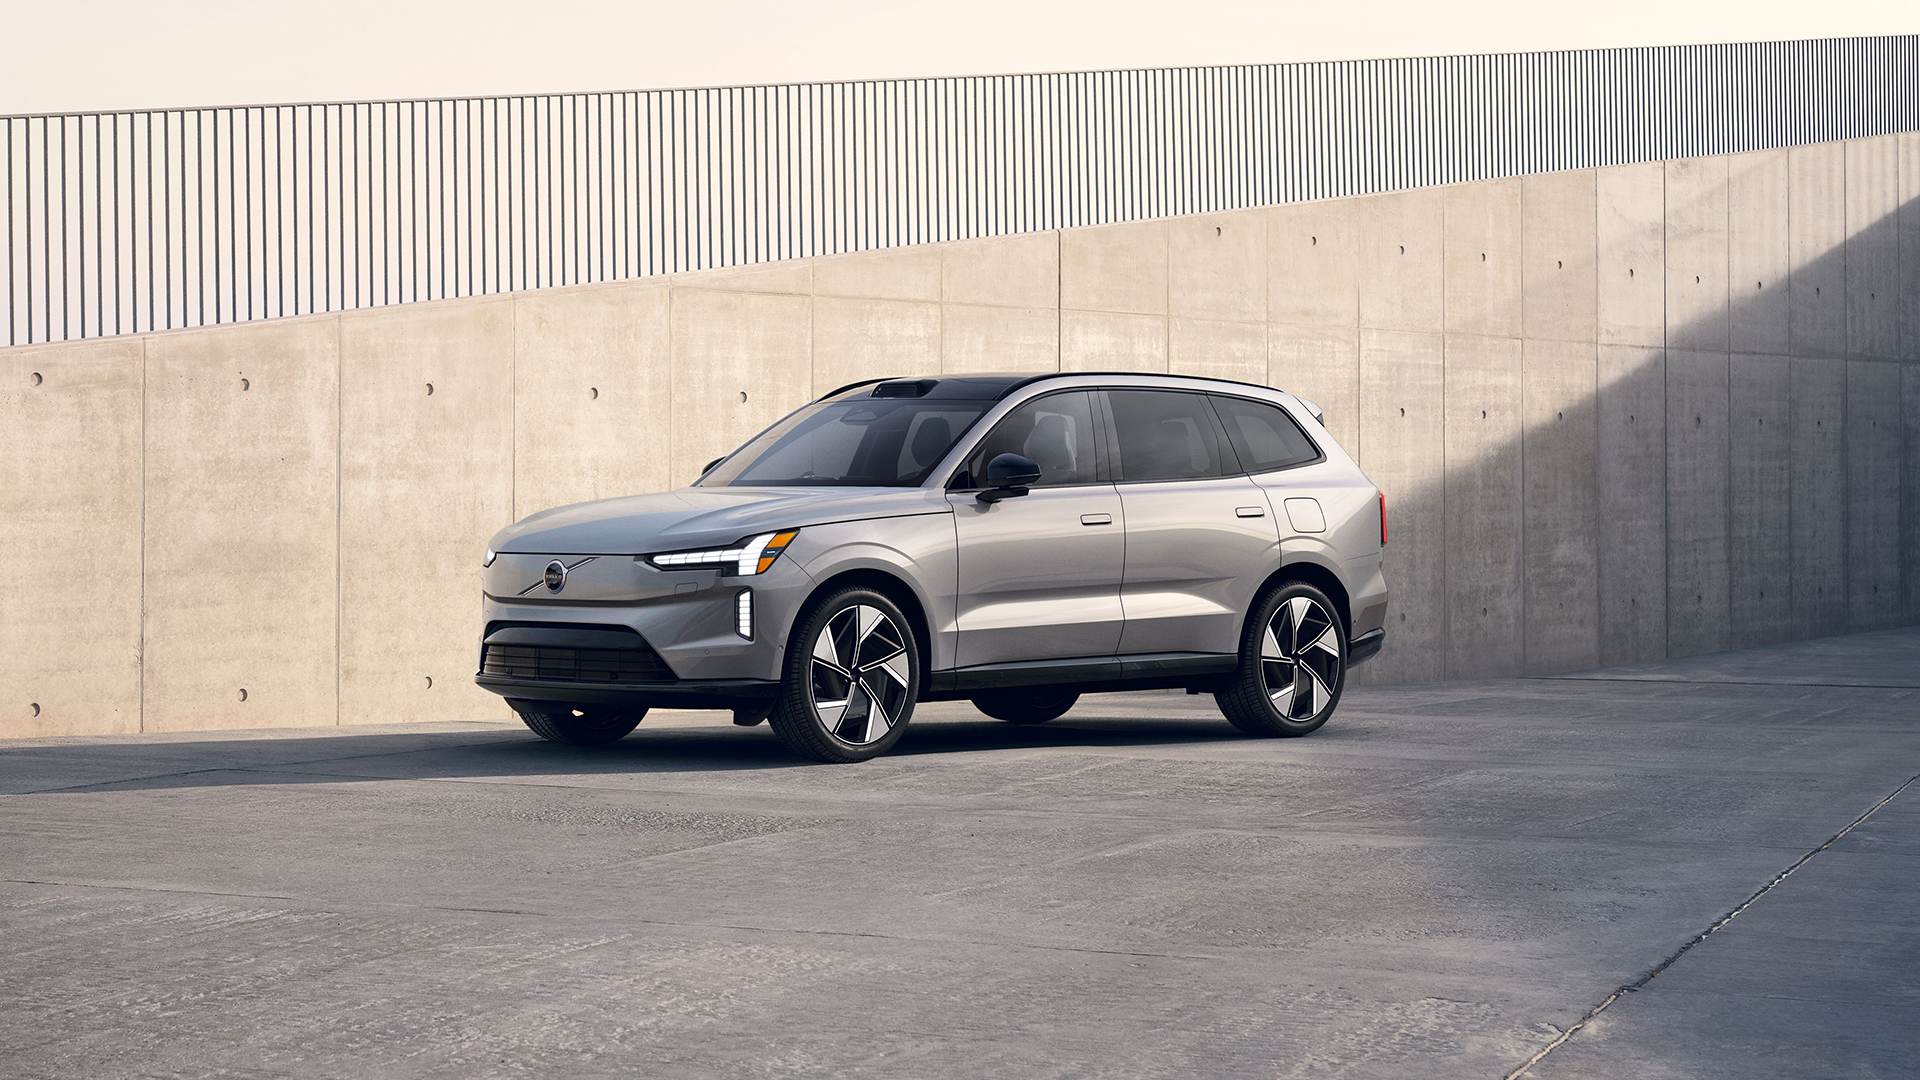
(754, 555)
(489, 559)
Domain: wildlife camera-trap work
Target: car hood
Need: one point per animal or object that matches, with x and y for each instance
(702, 517)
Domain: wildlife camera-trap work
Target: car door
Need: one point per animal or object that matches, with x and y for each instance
(1039, 574)
(1200, 535)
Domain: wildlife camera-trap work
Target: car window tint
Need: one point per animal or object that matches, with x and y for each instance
(853, 441)
(1164, 435)
(929, 438)
(1263, 435)
(1054, 432)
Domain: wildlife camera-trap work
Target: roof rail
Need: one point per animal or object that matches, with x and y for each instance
(1030, 380)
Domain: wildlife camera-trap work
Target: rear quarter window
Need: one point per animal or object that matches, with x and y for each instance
(1264, 435)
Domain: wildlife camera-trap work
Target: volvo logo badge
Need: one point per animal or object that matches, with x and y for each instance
(556, 576)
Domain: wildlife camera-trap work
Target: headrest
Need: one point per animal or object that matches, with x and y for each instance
(931, 440)
(1051, 446)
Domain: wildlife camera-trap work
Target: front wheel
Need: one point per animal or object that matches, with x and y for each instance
(1293, 664)
(852, 676)
(558, 721)
(1026, 706)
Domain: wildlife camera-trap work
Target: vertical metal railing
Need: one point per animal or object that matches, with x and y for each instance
(144, 220)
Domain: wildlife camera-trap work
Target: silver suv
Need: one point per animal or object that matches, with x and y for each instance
(1014, 540)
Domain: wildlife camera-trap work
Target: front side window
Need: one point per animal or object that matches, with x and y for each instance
(1263, 435)
(1055, 432)
(1165, 435)
(852, 442)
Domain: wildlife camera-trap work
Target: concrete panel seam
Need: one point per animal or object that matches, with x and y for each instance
(1666, 394)
(1446, 463)
(1715, 927)
(1727, 468)
(340, 513)
(140, 642)
(1846, 409)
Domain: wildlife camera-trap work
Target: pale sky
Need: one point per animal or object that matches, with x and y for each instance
(82, 55)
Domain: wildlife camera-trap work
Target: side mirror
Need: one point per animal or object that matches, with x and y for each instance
(1008, 476)
(708, 467)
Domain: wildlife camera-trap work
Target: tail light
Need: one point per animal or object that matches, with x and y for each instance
(1383, 519)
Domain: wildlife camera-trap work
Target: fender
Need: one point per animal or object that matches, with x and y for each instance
(919, 551)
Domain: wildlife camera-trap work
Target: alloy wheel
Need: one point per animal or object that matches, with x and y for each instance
(860, 674)
(1300, 658)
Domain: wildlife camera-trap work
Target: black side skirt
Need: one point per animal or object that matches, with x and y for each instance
(1086, 675)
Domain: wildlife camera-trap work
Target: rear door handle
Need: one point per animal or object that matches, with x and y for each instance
(1096, 519)
(1249, 511)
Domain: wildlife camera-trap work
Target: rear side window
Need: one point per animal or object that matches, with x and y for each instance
(1165, 436)
(1264, 436)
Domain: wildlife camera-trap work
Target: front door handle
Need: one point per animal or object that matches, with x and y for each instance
(1249, 511)
(1096, 519)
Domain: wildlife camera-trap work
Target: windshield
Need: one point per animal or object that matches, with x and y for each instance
(858, 442)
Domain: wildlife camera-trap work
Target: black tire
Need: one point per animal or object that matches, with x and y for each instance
(573, 725)
(1290, 683)
(1026, 706)
(851, 678)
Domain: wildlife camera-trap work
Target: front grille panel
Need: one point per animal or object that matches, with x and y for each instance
(553, 663)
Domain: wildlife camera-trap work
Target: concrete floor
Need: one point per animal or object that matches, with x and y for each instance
(1439, 883)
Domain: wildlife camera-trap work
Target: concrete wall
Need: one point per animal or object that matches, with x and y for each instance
(1619, 414)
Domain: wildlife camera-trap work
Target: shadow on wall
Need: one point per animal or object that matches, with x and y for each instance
(1750, 481)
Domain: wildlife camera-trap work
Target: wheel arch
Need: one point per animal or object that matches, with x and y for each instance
(894, 588)
(1320, 577)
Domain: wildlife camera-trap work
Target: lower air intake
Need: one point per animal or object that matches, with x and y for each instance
(629, 664)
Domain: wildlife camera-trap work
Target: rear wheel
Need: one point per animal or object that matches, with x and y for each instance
(1293, 664)
(563, 722)
(851, 679)
(1026, 706)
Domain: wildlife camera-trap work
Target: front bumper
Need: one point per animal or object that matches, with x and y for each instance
(686, 694)
(620, 631)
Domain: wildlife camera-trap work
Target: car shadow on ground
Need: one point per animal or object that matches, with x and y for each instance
(493, 751)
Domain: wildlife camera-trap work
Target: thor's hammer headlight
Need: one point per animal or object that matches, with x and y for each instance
(754, 555)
